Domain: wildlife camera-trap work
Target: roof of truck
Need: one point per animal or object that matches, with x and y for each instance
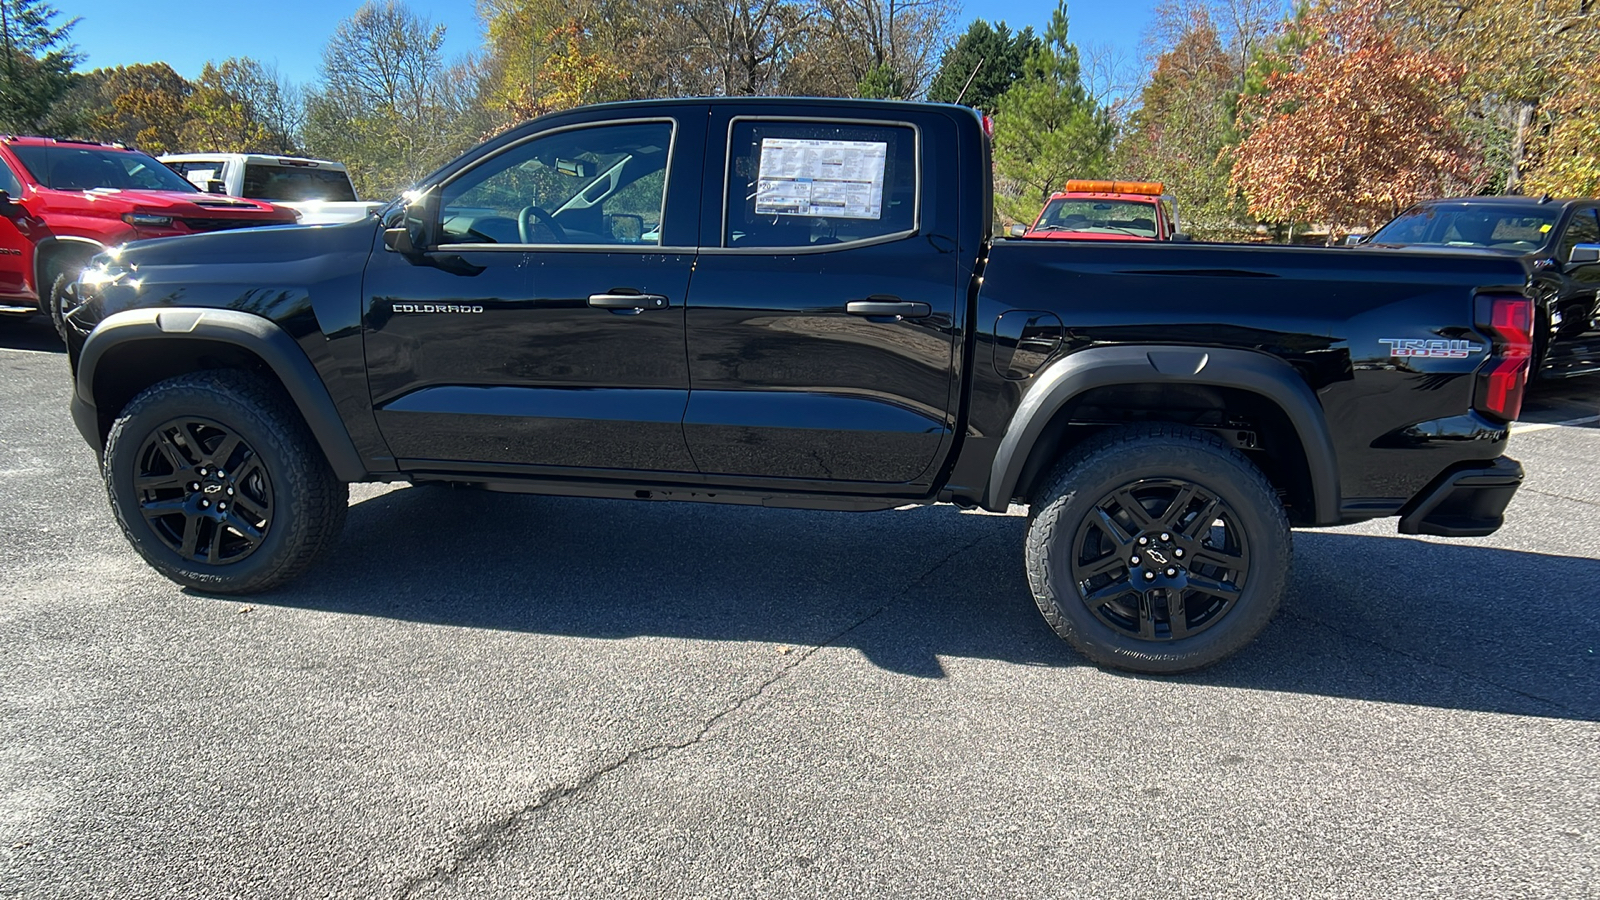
(255, 158)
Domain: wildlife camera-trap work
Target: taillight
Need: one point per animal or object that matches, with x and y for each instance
(1508, 321)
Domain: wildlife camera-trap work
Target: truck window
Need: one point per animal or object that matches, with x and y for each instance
(1090, 215)
(198, 172)
(264, 181)
(1583, 229)
(809, 183)
(8, 180)
(604, 184)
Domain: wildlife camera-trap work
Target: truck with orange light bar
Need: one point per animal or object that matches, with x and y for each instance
(821, 320)
(1107, 211)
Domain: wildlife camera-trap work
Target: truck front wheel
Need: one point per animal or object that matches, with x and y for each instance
(1157, 549)
(218, 484)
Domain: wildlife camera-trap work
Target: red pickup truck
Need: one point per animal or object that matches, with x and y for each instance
(63, 201)
(1107, 211)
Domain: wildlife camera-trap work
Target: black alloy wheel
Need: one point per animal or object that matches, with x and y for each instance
(1160, 559)
(219, 485)
(203, 491)
(1157, 549)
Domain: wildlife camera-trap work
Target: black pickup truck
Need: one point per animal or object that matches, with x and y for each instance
(797, 303)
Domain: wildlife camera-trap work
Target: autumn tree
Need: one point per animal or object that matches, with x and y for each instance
(1047, 128)
(982, 63)
(1357, 128)
(388, 104)
(36, 62)
(145, 104)
(1180, 134)
(1518, 57)
(1566, 156)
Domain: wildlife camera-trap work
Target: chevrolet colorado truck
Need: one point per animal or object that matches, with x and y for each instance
(63, 201)
(797, 303)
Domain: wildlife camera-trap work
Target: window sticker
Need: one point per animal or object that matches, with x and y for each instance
(834, 179)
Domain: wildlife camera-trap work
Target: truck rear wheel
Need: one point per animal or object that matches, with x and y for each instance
(1157, 549)
(218, 484)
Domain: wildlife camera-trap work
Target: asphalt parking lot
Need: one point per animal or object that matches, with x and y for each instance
(494, 695)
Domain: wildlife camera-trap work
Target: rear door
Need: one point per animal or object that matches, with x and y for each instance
(820, 322)
(545, 327)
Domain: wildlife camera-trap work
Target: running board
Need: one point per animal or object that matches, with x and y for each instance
(8, 309)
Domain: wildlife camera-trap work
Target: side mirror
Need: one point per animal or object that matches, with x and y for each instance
(1181, 237)
(411, 234)
(1017, 230)
(10, 208)
(1350, 240)
(216, 186)
(1583, 254)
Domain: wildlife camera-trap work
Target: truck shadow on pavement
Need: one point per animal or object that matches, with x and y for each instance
(30, 333)
(1385, 619)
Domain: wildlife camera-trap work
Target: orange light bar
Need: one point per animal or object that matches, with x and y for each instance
(1153, 188)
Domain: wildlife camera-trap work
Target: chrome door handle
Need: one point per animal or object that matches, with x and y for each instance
(626, 301)
(903, 309)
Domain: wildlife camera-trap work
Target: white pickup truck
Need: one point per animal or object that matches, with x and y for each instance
(319, 190)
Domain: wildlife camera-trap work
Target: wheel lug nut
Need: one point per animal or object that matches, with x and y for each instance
(1134, 561)
(1143, 541)
(230, 494)
(1165, 536)
(195, 486)
(1149, 576)
(1171, 572)
(202, 471)
(1178, 553)
(205, 504)
(222, 507)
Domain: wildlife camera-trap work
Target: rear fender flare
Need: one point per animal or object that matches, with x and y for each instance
(1099, 367)
(249, 332)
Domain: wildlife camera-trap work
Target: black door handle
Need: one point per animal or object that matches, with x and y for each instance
(626, 301)
(904, 309)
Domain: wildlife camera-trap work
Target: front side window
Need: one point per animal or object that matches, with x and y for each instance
(199, 172)
(296, 183)
(8, 181)
(815, 183)
(67, 168)
(600, 185)
(1583, 229)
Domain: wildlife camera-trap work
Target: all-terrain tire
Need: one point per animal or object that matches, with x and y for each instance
(1180, 614)
(167, 469)
(58, 302)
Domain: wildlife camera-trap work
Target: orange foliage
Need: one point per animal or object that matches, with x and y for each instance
(1355, 129)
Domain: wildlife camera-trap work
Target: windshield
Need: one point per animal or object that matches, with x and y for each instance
(67, 168)
(296, 183)
(1104, 216)
(1469, 226)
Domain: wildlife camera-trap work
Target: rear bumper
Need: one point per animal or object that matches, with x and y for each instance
(1464, 502)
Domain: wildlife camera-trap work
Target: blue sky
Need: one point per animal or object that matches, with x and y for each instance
(291, 33)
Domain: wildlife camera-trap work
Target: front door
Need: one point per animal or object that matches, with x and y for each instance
(16, 251)
(820, 325)
(544, 327)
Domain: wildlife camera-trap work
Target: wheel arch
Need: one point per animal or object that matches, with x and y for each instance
(1043, 425)
(132, 350)
(50, 250)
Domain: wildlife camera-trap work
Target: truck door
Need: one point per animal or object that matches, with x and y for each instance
(16, 250)
(543, 326)
(820, 323)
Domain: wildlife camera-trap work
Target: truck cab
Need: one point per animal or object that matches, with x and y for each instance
(320, 190)
(1107, 211)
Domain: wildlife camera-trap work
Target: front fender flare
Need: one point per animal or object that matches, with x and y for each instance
(241, 329)
(1223, 367)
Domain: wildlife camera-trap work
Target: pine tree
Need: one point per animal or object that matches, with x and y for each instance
(36, 62)
(990, 56)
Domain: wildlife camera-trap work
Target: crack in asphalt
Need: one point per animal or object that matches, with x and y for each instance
(1464, 675)
(483, 840)
(1560, 496)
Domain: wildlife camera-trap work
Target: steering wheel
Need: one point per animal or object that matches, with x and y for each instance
(525, 224)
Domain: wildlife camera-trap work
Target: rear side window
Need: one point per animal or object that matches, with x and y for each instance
(815, 183)
(293, 183)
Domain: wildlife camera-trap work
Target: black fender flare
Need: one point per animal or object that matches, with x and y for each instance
(245, 330)
(1225, 367)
